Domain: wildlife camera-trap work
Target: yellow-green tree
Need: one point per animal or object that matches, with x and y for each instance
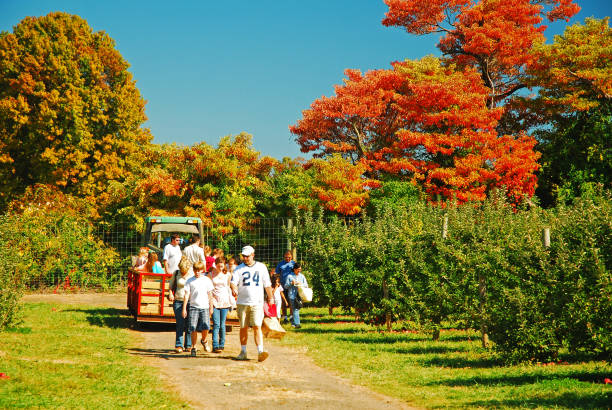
(70, 112)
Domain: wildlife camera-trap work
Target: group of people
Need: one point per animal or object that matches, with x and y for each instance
(206, 285)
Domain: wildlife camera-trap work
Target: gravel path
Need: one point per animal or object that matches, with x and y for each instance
(288, 379)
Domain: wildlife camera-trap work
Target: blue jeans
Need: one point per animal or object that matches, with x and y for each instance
(295, 320)
(181, 326)
(218, 332)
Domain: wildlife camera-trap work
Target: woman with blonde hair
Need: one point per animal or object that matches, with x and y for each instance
(177, 296)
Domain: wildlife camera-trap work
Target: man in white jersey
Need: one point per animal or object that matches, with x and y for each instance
(248, 283)
(172, 255)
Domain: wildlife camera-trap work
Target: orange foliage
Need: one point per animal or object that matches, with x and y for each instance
(426, 122)
(495, 36)
(340, 185)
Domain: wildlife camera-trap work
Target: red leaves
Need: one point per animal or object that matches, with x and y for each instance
(494, 35)
(4, 376)
(426, 122)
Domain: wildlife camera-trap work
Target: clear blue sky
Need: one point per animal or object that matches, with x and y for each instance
(209, 68)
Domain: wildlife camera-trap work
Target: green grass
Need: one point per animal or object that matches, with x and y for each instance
(453, 372)
(76, 357)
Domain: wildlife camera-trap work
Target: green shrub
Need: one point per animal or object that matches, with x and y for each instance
(56, 246)
(12, 278)
(581, 263)
(491, 272)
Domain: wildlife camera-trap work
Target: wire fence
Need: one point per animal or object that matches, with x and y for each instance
(269, 237)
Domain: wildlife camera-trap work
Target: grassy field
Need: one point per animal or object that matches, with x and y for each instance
(453, 372)
(76, 357)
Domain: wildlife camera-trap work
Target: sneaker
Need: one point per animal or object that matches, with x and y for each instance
(262, 356)
(298, 326)
(178, 349)
(242, 356)
(206, 346)
(194, 352)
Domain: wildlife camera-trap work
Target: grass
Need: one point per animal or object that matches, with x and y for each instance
(453, 372)
(76, 357)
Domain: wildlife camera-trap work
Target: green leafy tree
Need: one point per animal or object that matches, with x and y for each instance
(70, 112)
(574, 110)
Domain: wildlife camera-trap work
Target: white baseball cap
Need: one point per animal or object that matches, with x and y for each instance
(248, 250)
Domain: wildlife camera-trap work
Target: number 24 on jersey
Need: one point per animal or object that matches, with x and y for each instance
(247, 280)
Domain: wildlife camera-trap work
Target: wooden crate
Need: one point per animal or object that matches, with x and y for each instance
(149, 299)
(153, 285)
(150, 308)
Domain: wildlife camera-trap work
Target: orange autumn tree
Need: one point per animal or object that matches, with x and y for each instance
(222, 185)
(339, 185)
(423, 122)
(495, 36)
(70, 112)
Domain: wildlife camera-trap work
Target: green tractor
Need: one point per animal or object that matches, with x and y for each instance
(159, 229)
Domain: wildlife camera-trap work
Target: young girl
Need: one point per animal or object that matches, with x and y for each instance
(153, 264)
(210, 260)
(279, 295)
(221, 303)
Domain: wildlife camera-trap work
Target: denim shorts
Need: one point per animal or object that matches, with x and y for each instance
(199, 319)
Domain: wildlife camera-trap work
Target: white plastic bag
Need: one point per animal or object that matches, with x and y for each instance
(305, 294)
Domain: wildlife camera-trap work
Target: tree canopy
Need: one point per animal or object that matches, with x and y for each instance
(426, 122)
(70, 112)
(495, 36)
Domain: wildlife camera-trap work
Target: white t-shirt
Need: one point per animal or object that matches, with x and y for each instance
(251, 281)
(173, 255)
(196, 289)
(194, 253)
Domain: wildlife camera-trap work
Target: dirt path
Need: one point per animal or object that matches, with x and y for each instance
(287, 379)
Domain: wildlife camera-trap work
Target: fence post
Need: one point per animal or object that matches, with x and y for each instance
(289, 243)
(387, 313)
(546, 237)
(445, 227)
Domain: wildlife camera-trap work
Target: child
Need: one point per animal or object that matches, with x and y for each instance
(294, 280)
(221, 301)
(153, 264)
(141, 261)
(199, 294)
(279, 295)
(231, 266)
(210, 260)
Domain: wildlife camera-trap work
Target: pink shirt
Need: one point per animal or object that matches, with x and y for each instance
(221, 290)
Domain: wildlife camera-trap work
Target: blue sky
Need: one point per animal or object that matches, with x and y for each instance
(209, 69)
